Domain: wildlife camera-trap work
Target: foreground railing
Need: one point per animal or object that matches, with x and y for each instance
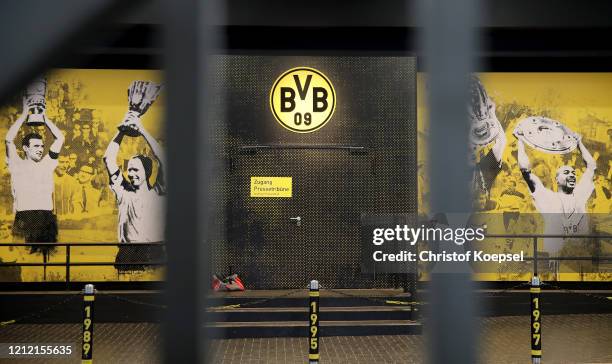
(536, 256)
(67, 263)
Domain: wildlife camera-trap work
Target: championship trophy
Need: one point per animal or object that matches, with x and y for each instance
(546, 135)
(141, 96)
(35, 102)
(483, 128)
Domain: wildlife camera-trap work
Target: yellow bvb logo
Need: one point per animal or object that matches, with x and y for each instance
(303, 100)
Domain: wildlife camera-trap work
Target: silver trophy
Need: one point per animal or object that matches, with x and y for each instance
(483, 126)
(141, 96)
(35, 102)
(546, 135)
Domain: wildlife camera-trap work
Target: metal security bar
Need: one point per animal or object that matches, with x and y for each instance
(350, 148)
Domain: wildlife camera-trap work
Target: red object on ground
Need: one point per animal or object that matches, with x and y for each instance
(229, 283)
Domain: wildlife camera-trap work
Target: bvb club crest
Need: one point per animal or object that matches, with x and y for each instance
(303, 100)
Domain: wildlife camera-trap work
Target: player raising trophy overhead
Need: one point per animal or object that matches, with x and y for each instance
(140, 202)
(32, 176)
(564, 211)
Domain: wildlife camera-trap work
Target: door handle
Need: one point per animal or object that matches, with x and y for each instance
(297, 219)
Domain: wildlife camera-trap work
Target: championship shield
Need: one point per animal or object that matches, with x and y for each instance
(546, 135)
(35, 102)
(141, 96)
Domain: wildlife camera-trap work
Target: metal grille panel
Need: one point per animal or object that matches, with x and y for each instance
(376, 109)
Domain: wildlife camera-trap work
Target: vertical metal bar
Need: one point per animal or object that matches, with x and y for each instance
(448, 39)
(35, 47)
(535, 256)
(67, 267)
(181, 45)
(210, 38)
(45, 255)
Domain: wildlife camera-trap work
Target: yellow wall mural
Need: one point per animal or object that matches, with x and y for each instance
(87, 106)
(581, 102)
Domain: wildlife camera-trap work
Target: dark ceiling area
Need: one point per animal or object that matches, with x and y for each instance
(516, 35)
(544, 36)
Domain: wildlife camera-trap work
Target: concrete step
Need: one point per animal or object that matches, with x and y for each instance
(300, 328)
(301, 313)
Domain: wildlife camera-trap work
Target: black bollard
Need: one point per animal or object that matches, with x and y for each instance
(313, 319)
(536, 325)
(87, 338)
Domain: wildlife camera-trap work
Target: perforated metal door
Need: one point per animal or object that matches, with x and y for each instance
(329, 193)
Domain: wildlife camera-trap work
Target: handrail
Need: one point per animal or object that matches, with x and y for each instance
(75, 264)
(83, 244)
(351, 148)
(67, 263)
(535, 238)
(546, 236)
(586, 258)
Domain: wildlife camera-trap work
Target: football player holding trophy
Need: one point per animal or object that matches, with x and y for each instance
(564, 211)
(140, 202)
(32, 176)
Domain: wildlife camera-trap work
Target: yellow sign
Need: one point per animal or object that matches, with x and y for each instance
(271, 186)
(303, 100)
